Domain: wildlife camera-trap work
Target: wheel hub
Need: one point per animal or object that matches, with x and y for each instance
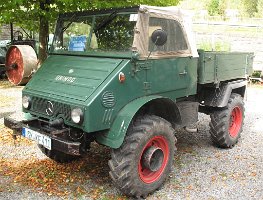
(235, 122)
(153, 158)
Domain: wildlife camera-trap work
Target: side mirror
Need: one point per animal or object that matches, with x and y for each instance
(159, 37)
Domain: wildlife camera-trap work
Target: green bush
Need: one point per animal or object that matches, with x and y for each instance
(218, 46)
(256, 74)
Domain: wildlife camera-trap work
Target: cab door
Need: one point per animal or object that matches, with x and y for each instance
(166, 75)
(171, 68)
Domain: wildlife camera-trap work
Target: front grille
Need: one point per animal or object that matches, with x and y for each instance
(39, 105)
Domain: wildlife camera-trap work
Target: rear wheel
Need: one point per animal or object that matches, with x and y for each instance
(57, 156)
(226, 124)
(144, 160)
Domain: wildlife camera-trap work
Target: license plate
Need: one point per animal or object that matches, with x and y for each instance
(38, 137)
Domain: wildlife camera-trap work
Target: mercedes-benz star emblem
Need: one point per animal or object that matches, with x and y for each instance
(49, 108)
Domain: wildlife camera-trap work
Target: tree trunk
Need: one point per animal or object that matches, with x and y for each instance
(43, 32)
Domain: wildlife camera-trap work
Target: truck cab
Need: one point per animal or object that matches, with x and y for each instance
(127, 79)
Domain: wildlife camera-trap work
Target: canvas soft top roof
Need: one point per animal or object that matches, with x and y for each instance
(183, 17)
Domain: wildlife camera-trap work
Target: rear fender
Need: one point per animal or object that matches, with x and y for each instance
(115, 136)
(218, 97)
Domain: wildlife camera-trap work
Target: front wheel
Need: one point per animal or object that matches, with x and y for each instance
(144, 160)
(226, 125)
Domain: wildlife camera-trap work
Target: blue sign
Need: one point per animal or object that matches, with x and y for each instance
(77, 43)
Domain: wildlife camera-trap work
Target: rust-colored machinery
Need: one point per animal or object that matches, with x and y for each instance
(21, 63)
(20, 60)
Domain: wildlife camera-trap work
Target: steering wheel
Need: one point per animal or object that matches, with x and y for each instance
(18, 35)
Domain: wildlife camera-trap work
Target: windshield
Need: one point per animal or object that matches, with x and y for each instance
(99, 33)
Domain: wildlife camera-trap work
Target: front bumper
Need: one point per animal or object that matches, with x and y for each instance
(57, 143)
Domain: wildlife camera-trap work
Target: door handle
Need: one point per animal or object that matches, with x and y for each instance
(183, 73)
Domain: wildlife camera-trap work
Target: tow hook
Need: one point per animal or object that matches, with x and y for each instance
(56, 123)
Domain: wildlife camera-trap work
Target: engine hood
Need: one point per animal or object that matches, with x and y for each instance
(72, 77)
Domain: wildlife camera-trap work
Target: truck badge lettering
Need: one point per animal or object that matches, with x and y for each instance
(68, 79)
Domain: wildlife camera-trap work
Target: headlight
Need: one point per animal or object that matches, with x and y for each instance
(26, 102)
(77, 115)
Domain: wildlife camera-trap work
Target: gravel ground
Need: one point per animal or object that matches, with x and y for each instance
(201, 171)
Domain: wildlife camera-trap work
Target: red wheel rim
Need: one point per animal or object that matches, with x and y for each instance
(146, 175)
(235, 122)
(14, 56)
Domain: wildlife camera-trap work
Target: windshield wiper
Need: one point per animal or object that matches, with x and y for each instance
(106, 21)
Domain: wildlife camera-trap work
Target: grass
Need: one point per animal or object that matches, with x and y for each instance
(5, 84)
(217, 46)
(228, 30)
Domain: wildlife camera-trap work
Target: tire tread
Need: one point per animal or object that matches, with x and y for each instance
(220, 122)
(121, 158)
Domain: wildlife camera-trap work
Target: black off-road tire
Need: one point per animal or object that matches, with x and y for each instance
(127, 169)
(227, 124)
(57, 156)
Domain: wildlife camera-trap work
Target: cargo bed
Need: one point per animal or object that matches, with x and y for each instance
(214, 66)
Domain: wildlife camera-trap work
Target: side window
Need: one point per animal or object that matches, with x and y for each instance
(175, 37)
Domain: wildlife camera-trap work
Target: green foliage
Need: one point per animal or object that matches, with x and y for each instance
(27, 12)
(251, 7)
(213, 7)
(193, 4)
(260, 8)
(217, 46)
(256, 74)
(216, 7)
(246, 8)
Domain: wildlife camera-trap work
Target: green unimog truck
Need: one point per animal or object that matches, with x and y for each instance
(127, 79)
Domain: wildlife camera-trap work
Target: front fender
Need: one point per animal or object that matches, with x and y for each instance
(115, 136)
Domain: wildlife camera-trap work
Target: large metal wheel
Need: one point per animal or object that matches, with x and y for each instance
(143, 162)
(21, 62)
(227, 123)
